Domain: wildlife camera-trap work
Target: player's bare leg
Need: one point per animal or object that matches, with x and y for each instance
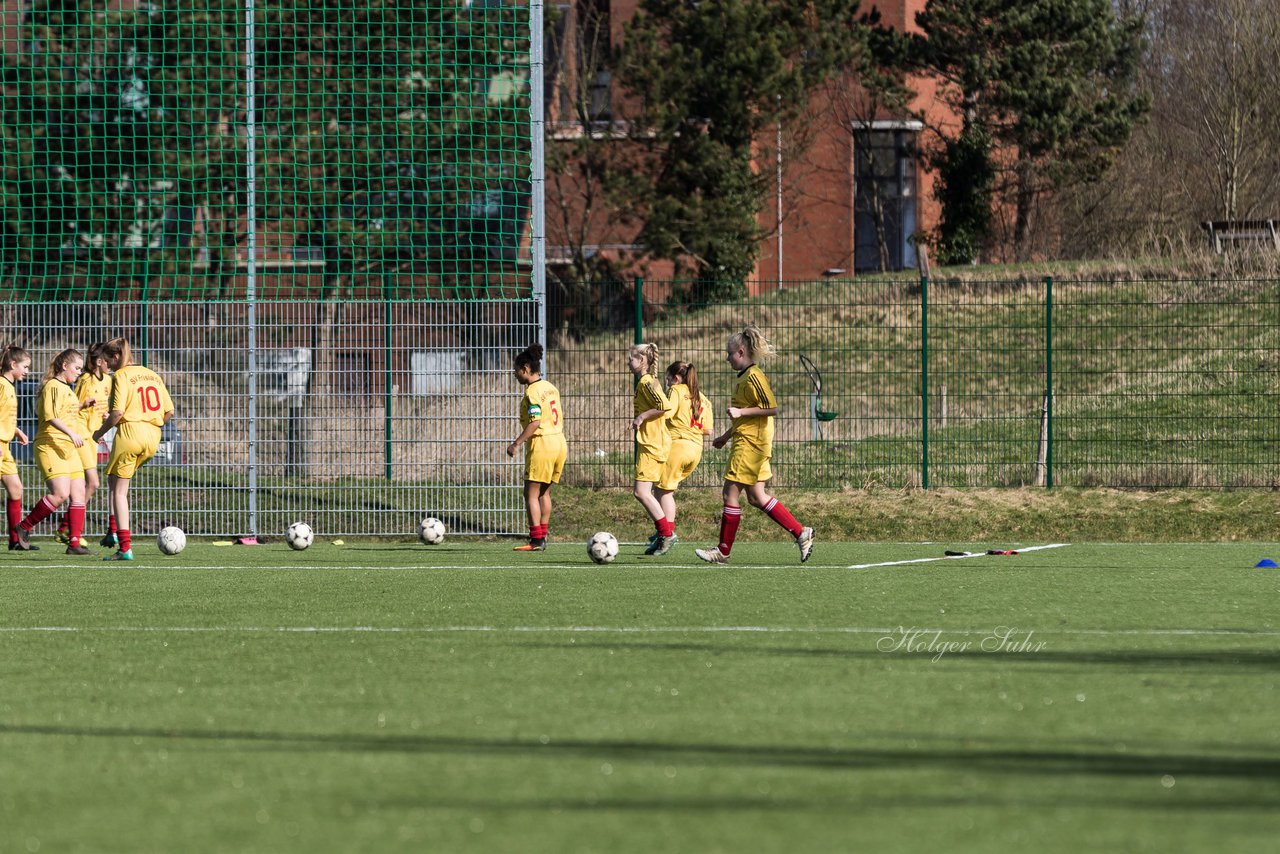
(118, 489)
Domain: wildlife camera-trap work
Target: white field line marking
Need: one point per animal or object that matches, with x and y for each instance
(620, 630)
(954, 557)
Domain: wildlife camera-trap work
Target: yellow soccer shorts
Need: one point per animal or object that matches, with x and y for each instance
(544, 458)
(88, 452)
(133, 445)
(59, 461)
(649, 467)
(748, 464)
(681, 461)
(8, 465)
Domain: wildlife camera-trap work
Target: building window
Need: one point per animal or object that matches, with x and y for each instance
(579, 77)
(884, 195)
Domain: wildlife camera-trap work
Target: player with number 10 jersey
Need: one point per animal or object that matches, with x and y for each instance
(142, 400)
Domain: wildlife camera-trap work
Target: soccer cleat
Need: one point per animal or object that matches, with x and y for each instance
(108, 540)
(78, 550)
(663, 545)
(120, 555)
(712, 555)
(805, 542)
(62, 535)
(532, 546)
(23, 543)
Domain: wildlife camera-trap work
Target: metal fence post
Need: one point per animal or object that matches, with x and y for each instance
(924, 382)
(145, 310)
(251, 250)
(1048, 380)
(386, 379)
(639, 339)
(639, 323)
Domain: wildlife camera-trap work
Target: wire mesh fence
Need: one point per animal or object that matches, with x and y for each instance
(321, 222)
(371, 413)
(965, 384)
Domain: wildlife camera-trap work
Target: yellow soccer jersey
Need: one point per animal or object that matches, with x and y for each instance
(541, 402)
(8, 411)
(753, 391)
(140, 396)
(652, 435)
(57, 400)
(681, 423)
(89, 387)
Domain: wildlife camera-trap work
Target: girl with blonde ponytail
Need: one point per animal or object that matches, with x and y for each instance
(752, 410)
(653, 442)
(690, 422)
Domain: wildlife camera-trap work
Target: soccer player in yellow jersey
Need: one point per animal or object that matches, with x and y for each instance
(93, 388)
(691, 420)
(652, 409)
(542, 423)
(14, 364)
(57, 449)
(752, 409)
(139, 406)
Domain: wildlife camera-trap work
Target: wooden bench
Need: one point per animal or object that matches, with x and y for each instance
(1223, 232)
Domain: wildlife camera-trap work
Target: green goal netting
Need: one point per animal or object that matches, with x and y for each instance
(317, 219)
(179, 149)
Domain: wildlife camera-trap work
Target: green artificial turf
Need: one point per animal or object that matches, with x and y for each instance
(462, 697)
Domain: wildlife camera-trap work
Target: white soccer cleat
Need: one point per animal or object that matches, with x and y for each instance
(805, 542)
(712, 555)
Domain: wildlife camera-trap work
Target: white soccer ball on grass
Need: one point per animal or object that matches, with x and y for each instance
(602, 547)
(431, 531)
(299, 536)
(171, 540)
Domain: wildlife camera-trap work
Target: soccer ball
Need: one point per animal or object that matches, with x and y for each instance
(602, 547)
(431, 531)
(299, 536)
(171, 540)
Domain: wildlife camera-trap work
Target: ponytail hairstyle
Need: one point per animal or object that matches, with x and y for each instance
(118, 347)
(91, 358)
(530, 357)
(753, 341)
(60, 363)
(11, 356)
(686, 373)
(650, 353)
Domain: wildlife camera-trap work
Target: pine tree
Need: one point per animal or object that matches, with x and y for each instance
(709, 80)
(1045, 94)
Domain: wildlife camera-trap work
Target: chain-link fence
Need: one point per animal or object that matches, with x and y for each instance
(366, 414)
(963, 383)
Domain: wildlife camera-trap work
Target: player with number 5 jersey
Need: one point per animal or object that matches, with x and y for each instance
(139, 406)
(542, 426)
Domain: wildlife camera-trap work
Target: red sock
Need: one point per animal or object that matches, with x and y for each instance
(13, 508)
(126, 542)
(780, 514)
(542, 531)
(64, 523)
(75, 517)
(729, 528)
(665, 527)
(111, 524)
(43, 510)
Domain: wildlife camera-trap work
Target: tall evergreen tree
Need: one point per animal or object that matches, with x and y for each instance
(1047, 87)
(709, 79)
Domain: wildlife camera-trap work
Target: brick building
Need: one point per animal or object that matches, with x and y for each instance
(850, 203)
